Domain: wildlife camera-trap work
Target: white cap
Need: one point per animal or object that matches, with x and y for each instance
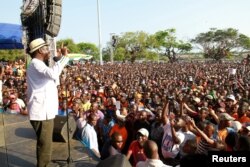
(236, 125)
(197, 99)
(143, 131)
(231, 97)
(225, 117)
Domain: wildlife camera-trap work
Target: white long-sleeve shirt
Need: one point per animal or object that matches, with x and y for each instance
(42, 93)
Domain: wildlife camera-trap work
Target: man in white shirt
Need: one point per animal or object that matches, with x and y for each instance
(89, 135)
(171, 138)
(42, 96)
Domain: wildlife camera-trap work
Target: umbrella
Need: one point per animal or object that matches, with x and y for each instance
(10, 36)
(79, 56)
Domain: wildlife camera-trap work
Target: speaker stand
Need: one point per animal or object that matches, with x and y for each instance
(69, 160)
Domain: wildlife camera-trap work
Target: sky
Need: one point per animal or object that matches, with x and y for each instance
(188, 17)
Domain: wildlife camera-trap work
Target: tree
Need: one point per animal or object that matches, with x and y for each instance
(82, 47)
(132, 45)
(11, 55)
(70, 45)
(120, 54)
(88, 48)
(167, 42)
(218, 43)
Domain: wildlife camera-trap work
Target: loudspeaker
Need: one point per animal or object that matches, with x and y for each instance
(53, 19)
(118, 160)
(60, 132)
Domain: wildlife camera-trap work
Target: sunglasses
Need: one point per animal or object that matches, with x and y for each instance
(117, 141)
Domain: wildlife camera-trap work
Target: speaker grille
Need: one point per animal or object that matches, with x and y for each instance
(53, 20)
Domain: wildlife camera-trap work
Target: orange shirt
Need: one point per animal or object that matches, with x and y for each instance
(122, 130)
(243, 119)
(222, 134)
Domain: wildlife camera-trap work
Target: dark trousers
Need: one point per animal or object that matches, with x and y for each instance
(44, 133)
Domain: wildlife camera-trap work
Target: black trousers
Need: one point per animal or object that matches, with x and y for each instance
(44, 133)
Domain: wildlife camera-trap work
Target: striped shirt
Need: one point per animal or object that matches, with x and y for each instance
(203, 147)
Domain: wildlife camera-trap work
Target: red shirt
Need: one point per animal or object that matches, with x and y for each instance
(243, 119)
(137, 152)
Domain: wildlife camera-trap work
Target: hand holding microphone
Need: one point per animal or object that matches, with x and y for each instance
(63, 51)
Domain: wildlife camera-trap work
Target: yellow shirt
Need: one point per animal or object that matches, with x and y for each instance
(86, 106)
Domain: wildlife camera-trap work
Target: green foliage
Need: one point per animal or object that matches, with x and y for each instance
(166, 42)
(218, 43)
(162, 45)
(132, 44)
(89, 49)
(70, 44)
(11, 55)
(106, 54)
(119, 54)
(153, 56)
(244, 42)
(86, 48)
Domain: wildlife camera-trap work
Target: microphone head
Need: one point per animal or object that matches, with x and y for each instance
(56, 58)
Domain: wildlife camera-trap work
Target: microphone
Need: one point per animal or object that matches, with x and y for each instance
(57, 58)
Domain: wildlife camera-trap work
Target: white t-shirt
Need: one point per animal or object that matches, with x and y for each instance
(20, 102)
(187, 136)
(168, 148)
(89, 137)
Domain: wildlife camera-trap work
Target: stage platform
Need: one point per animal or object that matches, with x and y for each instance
(18, 146)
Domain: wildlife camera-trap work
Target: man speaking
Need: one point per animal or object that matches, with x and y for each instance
(42, 96)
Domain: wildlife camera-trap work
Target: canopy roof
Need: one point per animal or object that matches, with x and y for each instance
(10, 36)
(79, 56)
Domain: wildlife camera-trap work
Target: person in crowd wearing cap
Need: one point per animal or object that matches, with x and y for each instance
(151, 151)
(230, 104)
(136, 147)
(224, 124)
(112, 146)
(42, 96)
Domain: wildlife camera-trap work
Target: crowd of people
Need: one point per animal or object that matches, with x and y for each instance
(154, 113)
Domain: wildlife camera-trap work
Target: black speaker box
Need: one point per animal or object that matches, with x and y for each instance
(53, 19)
(60, 132)
(118, 160)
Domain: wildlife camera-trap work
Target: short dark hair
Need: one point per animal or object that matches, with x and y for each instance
(114, 136)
